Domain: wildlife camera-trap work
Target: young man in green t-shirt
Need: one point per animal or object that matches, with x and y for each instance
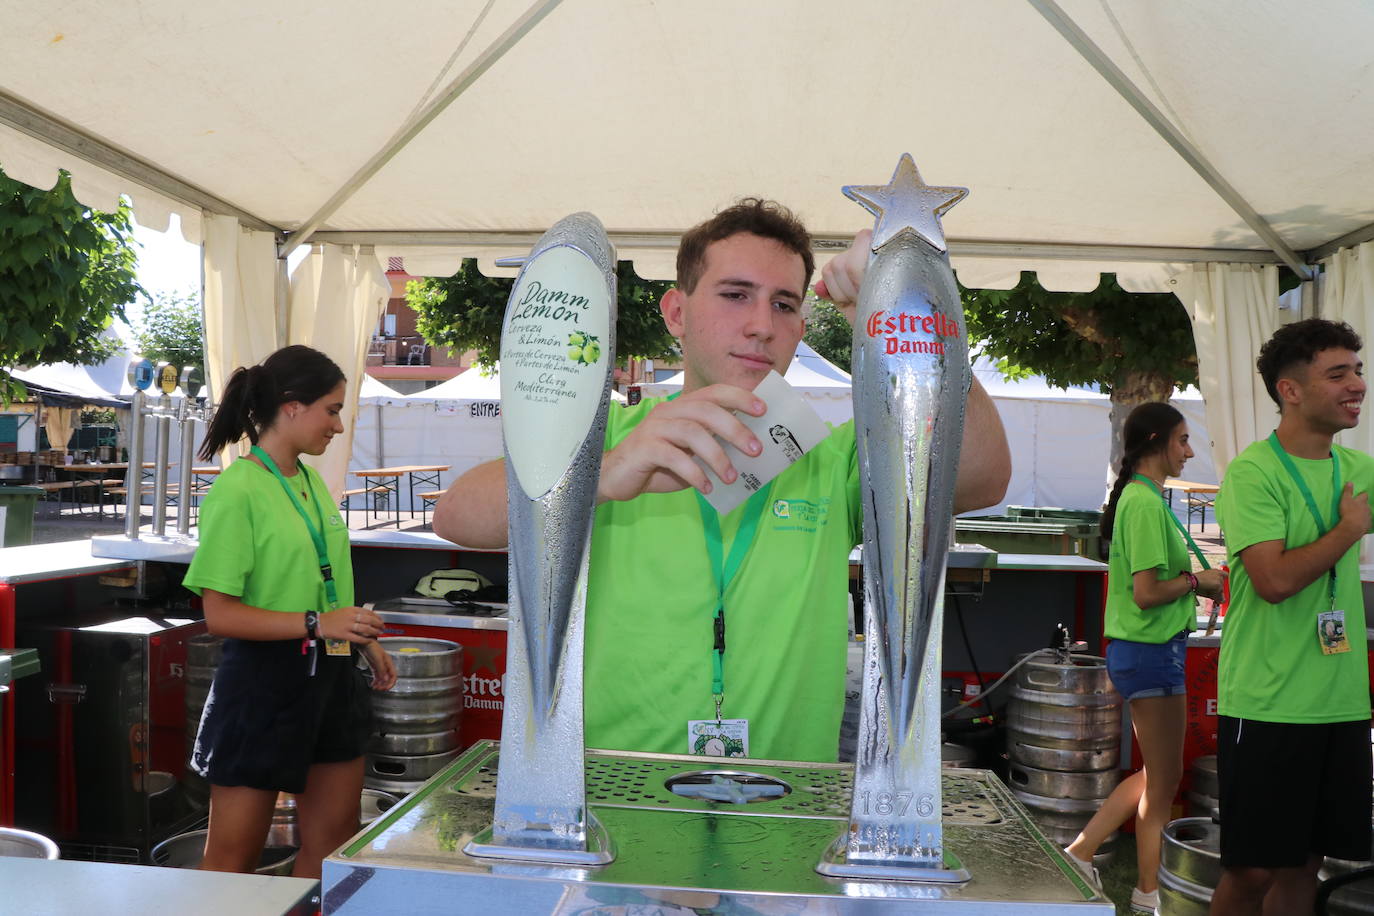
(737, 311)
(1293, 680)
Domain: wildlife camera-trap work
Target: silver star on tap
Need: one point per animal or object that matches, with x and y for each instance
(906, 202)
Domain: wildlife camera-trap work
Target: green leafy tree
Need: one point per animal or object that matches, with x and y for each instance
(464, 312)
(66, 272)
(1135, 347)
(829, 334)
(171, 330)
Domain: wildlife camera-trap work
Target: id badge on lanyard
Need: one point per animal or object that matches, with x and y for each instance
(335, 647)
(721, 737)
(1331, 635)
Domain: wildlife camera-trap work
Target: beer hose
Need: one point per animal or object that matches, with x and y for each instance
(1039, 653)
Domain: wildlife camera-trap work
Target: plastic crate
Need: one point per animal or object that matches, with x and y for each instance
(1016, 534)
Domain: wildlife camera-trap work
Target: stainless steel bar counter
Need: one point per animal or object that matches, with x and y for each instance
(683, 855)
(42, 887)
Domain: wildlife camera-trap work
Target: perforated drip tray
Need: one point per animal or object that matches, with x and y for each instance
(749, 838)
(824, 792)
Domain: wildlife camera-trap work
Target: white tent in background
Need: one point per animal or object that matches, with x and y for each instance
(1061, 441)
(825, 386)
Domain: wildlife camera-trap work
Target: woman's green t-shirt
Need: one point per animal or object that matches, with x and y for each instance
(254, 544)
(1144, 537)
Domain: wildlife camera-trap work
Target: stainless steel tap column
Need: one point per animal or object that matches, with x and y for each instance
(911, 381)
(187, 415)
(140, 375)
(557, 349)
(186, 424)
(133, 474)
(166, 381)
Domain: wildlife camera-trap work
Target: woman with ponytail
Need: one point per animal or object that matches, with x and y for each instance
(288, 711)
(1151, 608)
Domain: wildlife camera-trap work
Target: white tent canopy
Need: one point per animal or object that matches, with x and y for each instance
(1095, 135)
(1068, 176)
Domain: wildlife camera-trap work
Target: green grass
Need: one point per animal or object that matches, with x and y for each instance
(1118, 879)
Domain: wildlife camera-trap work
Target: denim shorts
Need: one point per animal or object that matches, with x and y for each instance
(1146, 669)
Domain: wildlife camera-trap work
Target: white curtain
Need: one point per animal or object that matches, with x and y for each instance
(58, 423)
(1347, 294)
(337, 295)
(240, 295)
(1234, 308)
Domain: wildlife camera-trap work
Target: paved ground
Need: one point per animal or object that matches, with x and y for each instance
(74, 525)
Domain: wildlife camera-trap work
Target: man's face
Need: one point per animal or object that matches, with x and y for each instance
(744, 316)
(1328, 393)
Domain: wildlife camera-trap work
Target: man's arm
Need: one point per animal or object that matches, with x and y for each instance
(656, 457)
(984, 459)
(1279, 574)
(472, 512)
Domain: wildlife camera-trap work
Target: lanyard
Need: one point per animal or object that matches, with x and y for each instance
(321, 549)
(723, 569)
(1192, 545)
(1292, 470)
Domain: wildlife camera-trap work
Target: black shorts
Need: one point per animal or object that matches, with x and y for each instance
(267, 719)
(1289, 791)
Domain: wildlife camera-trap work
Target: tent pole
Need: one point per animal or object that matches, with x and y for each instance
(381, 453)
(518, 240)
(55, 133)
(1156, 119)
(281, 299)
(1349, 240)
(484, 61)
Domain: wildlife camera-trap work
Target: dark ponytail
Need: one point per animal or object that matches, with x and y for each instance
(1145, 432)
(251, 397)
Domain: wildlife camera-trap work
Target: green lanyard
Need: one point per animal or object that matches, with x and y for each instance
(1292, 470)
(321, 549)
(1192, 545)
(723, 569)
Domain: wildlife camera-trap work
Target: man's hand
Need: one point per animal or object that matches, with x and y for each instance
(844, 273)
(656, 457)
(1354, 511)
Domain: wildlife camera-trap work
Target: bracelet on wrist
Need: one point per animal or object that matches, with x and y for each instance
(1192, 581)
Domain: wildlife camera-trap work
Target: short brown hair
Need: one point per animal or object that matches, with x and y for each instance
(765, 218)
(1297, 344)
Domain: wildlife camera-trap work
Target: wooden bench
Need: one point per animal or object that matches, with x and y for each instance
(357, 491)
(427, 501)
(57, 486)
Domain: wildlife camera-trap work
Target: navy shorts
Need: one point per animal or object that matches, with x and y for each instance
(1146, 669)
(267, 720)
(1291, 791)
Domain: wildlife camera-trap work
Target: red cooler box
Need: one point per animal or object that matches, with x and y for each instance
(481, 630)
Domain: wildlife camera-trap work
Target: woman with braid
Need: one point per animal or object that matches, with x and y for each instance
(288, 710)
(1151, 607)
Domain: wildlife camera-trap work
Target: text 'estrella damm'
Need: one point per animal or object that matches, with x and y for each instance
(881, 324)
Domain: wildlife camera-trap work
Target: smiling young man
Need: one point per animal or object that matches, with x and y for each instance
(1293, 693)
(653, 585)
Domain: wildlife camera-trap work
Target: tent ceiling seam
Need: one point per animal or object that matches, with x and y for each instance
(1118, 80)
(58, 134)
(474, 71)
(825, 244)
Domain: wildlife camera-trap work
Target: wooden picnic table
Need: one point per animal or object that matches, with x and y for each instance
(386, 482)
(1198, 496)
